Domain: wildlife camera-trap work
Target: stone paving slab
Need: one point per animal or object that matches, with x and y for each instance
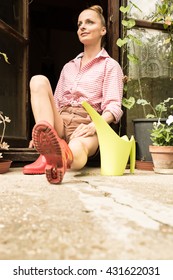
(88, 216)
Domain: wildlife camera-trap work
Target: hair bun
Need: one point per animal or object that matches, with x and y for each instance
(97, 9)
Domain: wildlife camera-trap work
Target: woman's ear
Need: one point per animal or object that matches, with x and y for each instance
(103, 30)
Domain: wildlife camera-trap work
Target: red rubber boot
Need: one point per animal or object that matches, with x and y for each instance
(56, 151)
(37, 167)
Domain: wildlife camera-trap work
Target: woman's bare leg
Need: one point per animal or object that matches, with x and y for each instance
(43, 105)
(82, 148)
(44, 109)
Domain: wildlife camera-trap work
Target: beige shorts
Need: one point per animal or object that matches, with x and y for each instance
(73, 117)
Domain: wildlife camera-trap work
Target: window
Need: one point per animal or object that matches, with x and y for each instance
(151, 78)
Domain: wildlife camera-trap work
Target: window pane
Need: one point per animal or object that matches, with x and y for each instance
(152, 77)
(155, 56)
(11, 86)
(146, 7)
(11, 11)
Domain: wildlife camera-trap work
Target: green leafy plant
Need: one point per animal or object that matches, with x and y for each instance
(127, 54)
(162, 133)
(164, 14)
(3, 121)
(127, 24)
(160, 110)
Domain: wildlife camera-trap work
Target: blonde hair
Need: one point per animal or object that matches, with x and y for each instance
(98, 9)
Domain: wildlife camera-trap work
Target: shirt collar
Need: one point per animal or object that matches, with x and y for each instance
(102, 53)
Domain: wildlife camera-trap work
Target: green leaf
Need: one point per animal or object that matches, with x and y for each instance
(142, 102)
(129, 23)
(135, 40)
(167, 41)
(162, 9)
(161, 107)
(158, 19)
(165, 26)
(128, 103)
(122, 42)
(133, 58)
(125, 9)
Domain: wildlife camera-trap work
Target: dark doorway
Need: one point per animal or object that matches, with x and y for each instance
(53, 38)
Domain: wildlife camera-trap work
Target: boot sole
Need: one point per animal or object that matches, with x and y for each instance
(46, 143)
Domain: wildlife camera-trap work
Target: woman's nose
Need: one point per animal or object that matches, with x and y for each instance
(82, 26)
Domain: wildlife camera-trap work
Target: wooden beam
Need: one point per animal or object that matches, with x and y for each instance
(12, 32)
(149, 24)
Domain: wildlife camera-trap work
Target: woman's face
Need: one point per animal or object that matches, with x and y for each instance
(90, 29)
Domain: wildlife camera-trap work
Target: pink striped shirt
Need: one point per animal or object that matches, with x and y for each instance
(100, 83)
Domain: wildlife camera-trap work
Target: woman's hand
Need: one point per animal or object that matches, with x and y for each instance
(84, 130)
(31, 144)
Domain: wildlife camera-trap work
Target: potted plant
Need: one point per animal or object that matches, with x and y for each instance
(142, 127)
(162, 146)
(4, 164)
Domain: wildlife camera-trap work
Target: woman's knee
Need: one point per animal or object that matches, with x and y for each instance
(38, 81)
(80, 154)
(78, 147)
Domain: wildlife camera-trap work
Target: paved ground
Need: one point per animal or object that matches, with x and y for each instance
(88, 216)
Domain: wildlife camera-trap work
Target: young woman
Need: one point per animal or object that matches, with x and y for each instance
(64, 134)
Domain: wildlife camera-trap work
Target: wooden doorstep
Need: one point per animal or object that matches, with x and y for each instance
(23, 156)
(20, 154)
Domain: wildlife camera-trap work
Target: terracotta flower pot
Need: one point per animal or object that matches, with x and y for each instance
(4, 165)
(162, 159)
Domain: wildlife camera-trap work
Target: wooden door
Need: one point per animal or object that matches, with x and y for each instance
(113, 28)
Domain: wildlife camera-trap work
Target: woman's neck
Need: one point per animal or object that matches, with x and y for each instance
(89, 54)
(91, 51)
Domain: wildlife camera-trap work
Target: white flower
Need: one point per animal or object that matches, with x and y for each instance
(169, 120)
(4, 145)
(1, 155)
(7, 119)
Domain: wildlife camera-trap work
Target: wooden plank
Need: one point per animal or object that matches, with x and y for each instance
(20, 154)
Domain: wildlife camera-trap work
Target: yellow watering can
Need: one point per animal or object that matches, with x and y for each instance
(114, 150)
